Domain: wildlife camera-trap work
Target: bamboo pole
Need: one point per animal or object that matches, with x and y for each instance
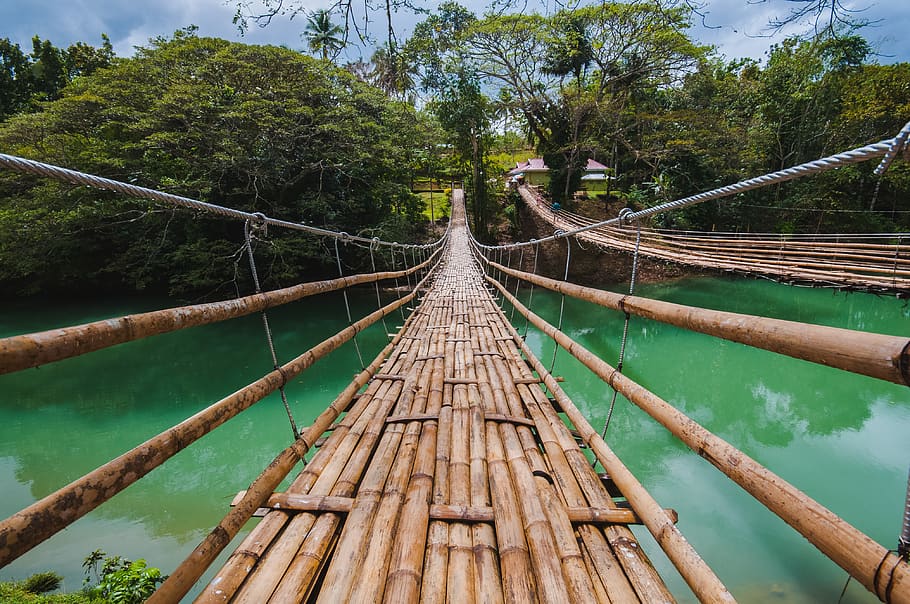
(35, 349)
(849, 548)
(390, 518)
(876, 355)
(390, 462)
(502, 378)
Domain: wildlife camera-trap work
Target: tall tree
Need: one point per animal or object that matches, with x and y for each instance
(607, 51)
(463, 110)
(392, 72)
(16, 80)
(324, 37)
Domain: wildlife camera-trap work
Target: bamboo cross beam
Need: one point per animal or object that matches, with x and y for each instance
(450, 513)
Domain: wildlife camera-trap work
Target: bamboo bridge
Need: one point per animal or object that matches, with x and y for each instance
(453, 467)
(877, 263)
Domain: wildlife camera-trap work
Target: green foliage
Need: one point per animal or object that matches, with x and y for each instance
(464, 111)
(13, 593)
(26, 80)
(120, 581)
(253, 128)
(41, 583)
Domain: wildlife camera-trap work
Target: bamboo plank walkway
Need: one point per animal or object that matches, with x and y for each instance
(451, 479)
(876, 265)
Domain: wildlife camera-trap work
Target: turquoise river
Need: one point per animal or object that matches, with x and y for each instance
(843, 439)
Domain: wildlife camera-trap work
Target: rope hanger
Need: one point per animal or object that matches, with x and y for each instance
(249, 226)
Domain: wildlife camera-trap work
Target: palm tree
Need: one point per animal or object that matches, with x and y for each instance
(322, 35)
(392, 72)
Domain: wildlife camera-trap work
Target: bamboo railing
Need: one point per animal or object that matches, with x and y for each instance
(34, 524)
(36, 349)
(876, 263)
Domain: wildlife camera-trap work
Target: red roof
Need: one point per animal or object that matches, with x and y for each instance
(536, 164)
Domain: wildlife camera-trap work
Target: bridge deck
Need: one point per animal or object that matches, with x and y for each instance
(452, 478)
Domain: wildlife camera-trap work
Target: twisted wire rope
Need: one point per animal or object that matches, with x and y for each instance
(28, 166)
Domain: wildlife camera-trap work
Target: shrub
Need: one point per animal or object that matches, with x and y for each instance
(41, 583)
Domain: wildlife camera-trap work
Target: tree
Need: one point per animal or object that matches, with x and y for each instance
(16, 81)
(26, 80)
(324, 37)
(610, 51)
(463, 110)
(392, 73)
(254, 128)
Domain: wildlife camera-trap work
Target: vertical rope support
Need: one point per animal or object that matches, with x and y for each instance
(413, 264)
(903, 543)
(376, 283)
(505, 276)
(625, 326)
(562, 300)
(897, 251)
(268, 331)
(397, 284)
(347, 305)
(524, 336)
(521, 257)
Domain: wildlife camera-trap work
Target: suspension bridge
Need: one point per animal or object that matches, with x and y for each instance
(451, 468)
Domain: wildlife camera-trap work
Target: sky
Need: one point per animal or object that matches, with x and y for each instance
(738, 28)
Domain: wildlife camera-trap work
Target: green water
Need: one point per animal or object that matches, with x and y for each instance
(840, 438)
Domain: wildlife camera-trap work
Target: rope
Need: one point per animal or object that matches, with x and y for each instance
(521, 258)
(562, 302)
(397, 284)
(378, 297)
(813, 167)
(625, 328)
(347, 306)
(265, 323)
(903, 542)
(524, 336)
(897, 145)
(28, 166)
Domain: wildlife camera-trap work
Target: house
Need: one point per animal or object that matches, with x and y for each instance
(535, 172)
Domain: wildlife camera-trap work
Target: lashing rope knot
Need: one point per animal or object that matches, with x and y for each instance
(898, 144)
(283, 374)
(558, 233)
(344, 236)
(624, 215)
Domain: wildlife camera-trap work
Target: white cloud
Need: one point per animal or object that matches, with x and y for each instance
(738, 24)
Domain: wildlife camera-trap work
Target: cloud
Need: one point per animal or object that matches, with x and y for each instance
(735, 27)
